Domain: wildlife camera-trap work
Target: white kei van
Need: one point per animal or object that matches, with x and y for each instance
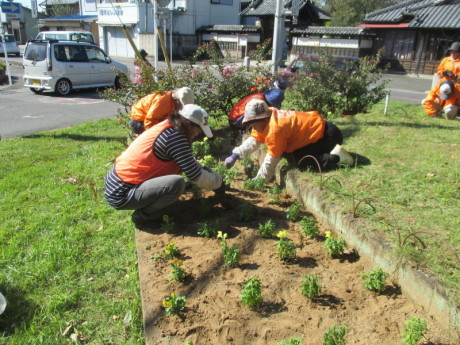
(80, 36)
(62, 66)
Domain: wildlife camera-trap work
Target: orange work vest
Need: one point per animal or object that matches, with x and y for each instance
(153, 108)
(238, 109)
(138, 164)
(290, 130)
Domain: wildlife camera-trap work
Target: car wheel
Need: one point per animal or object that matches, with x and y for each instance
(36, 90)
(117, 82)
(63, 87)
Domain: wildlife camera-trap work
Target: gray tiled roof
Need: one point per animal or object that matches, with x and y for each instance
(268, 7)
(229, 28)
(70, 17)
(420, 14)
(340, 31)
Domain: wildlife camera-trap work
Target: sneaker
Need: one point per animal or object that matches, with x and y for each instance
(345, 157)
(146, 225)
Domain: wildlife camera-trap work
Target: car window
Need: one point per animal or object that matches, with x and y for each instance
(35, 51)
(77, 53)
(10, 38)
(60, 53)
(95, 55)
(81, 37)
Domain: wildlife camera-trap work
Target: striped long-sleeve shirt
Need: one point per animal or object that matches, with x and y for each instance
(169, 145)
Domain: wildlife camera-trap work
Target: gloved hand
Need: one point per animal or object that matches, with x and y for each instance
(231, 160)
(448, 74)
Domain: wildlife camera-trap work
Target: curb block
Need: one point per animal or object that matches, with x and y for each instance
(423, 289)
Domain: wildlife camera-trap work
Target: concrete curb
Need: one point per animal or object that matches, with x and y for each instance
(423, 289)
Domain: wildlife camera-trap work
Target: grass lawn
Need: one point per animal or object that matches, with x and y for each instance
(68, 261)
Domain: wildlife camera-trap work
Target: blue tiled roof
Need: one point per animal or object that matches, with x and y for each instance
(442, 14)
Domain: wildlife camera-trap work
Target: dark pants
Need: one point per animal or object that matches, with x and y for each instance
(320, 150)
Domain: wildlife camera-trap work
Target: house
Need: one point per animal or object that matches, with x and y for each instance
(415, 34)
(19, 22)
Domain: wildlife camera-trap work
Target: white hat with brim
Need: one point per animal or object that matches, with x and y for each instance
(445, 90)
(255, 109)
(197, 115)
(184, 95)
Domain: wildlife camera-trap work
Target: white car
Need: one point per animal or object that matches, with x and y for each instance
(62, 66)
(10, 45)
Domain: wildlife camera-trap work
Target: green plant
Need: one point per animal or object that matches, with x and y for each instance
(310, 286)
(245, 211)
(203, 207)
(208, 229)
(254, 184)
(174, 304)
(375, 280)
(293, 212)
(2, 67)
(290, 341)
(267, 230)
(208, 161)
(248, 166)
(202, 148)
(334, 246)
(228, 174)
(171, 251)
(251, 295)
(414, 331)
(167, 224)
(285, 248)
(309, 226)
(262, 51)
(275, 194)
(335, 335)
(231, 254)
(178, 273)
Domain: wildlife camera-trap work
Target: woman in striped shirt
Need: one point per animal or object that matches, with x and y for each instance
(145, 177)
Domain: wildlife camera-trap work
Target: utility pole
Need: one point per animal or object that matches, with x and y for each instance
(277, 44)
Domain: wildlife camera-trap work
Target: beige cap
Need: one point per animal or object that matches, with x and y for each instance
(255, 109)
(198, 115)
(184, 95)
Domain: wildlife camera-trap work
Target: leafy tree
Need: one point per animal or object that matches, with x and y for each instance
(59, 8)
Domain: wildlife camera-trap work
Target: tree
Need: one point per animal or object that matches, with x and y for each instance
(352, 12)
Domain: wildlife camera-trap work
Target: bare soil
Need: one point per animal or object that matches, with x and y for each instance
(214, 313)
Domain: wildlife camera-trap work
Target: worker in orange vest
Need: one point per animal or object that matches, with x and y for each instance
(449, 67)
(443, 97)
(292, 134)
(155, 107)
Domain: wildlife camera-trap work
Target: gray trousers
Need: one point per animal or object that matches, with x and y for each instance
(154, 195)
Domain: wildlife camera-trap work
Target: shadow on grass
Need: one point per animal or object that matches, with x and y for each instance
(307, 262)
(75, 137)
(327, 300)
(270, 308)
(392, 291)
(19, 311)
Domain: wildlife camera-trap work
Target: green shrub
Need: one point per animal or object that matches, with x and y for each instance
(335, 335)
(374, 280)
(293, 212)
(267, 230)
(290, 341)
(414, 331)
(251, 294)
(2, 67)
(309, 227)
(254, 184)
(310, 286)
(208, 229)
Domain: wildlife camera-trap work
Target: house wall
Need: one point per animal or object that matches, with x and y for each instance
(333, 46)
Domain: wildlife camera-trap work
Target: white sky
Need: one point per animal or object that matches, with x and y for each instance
(26, 3)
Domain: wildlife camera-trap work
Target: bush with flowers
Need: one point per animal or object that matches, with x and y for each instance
(217, 84)
(334, 92)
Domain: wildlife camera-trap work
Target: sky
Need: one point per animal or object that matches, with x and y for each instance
(26, 3)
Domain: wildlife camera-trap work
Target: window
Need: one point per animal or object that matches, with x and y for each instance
(77, 53)
(35, 52)
(95, 54)
(222, 2)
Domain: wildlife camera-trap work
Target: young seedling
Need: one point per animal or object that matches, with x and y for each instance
(275, 194)
(174, 304)
(251, 294)
(167, 224)
(208, 161)
(335, 335)
(201, 148)
(285, 248)
(231, 254)
(374, 280)
(414, 331)
(228, 174)
(245, 211)
(293, 212)
(178, 274)
(310, 286)
(309, 227)
(171, 251)
(267, 230)
(335, 246)
(248, 166)
(256, 184)
(290, 341)
(208, 229)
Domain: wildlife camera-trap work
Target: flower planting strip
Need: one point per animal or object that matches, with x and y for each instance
(423, 289)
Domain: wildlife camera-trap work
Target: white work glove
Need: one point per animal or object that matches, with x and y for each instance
(208, 180)
(248, 146)
(267, 169)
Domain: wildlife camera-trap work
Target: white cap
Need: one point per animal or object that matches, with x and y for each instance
(446, 89)
(184, 95)
(198, 115)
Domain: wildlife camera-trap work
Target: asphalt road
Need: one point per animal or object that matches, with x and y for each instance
(23, 112)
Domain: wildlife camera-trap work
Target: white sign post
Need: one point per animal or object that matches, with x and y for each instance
(2, 31)
(34, 8)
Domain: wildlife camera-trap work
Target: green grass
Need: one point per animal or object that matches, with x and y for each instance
(411, 163)
(66, 257)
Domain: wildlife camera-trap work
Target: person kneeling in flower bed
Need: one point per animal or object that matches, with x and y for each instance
(293, 134)
(145, 177)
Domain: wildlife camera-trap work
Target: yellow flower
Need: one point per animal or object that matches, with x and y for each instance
(167, 304)
(221, 235)
(328, 234)
(177, 261)
(282, 234)
(172, 244)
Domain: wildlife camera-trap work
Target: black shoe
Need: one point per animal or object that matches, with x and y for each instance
(146, 225)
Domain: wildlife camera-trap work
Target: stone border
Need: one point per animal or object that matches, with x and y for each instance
(423, 289)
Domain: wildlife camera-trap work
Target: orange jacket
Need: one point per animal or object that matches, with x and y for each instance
(153, 108)
(138, 163)
(238, 109)
(290, 130)
(434, 98)
(447, 64)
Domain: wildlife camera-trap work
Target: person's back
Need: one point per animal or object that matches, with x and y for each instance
(443, 97)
